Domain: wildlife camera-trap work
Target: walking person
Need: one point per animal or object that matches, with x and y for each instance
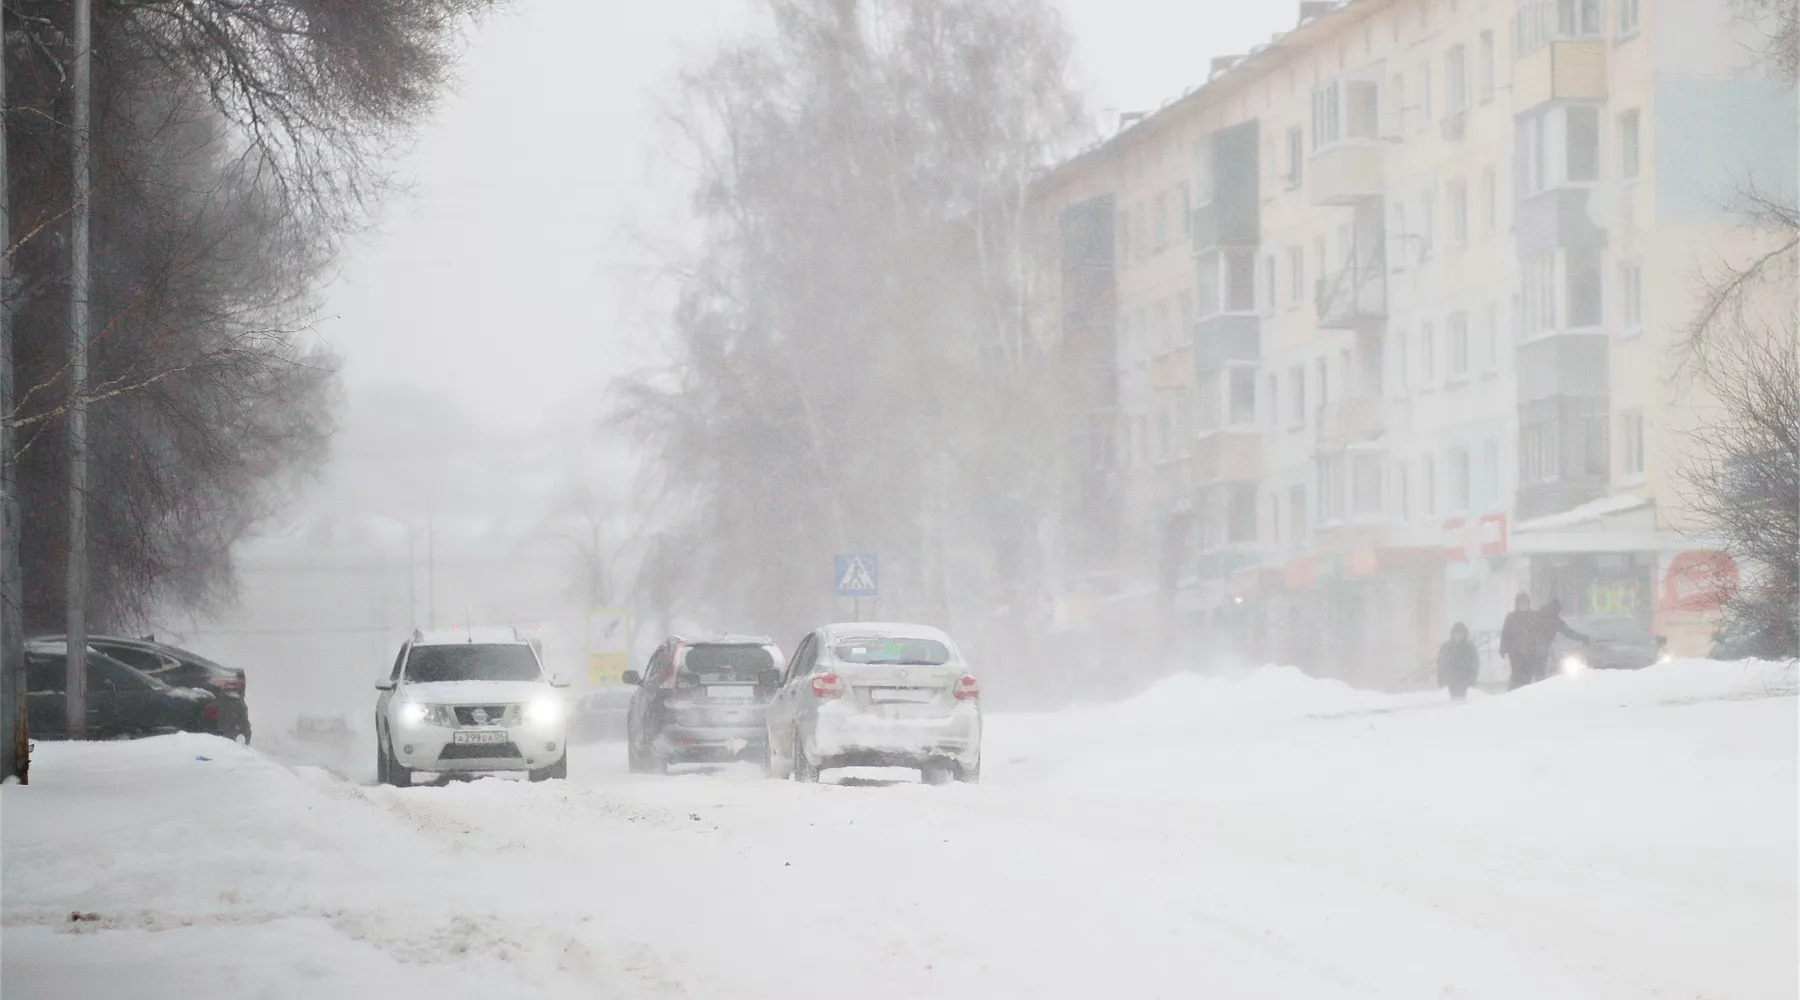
(1550, 625)
(1518, 643)
(1458, 663)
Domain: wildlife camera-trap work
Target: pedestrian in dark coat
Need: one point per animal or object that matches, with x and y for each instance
(1458, 663)
(1518, 643)
(1547, 626)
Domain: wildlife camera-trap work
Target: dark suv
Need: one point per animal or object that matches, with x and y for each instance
(121, 701)
(701, 700)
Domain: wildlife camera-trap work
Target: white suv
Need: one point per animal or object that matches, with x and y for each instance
(469, 701)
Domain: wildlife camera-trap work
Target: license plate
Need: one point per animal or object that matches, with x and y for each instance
(736, 692)
(901, 694)
(480, 736)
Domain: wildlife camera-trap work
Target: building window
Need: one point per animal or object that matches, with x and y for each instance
(1297, 396)
(1162, 222)
(1243, 397)
(1272, 400)
(1184, 423)
(1487, 82)
(1400, 107)
(1123, 237)
(1325, 116)
(1165, 341)
(1184, 200)
(1240, 513)
(1404, 249)
(1402, 363)
(1586, 297)
(1458, 193)
(1456, 336)
(1240, 280)
(1459, 479)
(1185, 312)
(1362, 109)
(1584, 143)
(1296, 277)
(1490, 337)
(1204, 181)
(1424, 96)
(1628, 145)
(1628, 18)
(1490, 201)
(1490, 474)
(1402, 492)
(1456, 80)
(1428, 220)
(1365, 484)
(1540, 453)
(1537, 276)
(1631, 440)
(1331, 489)
(1296, 157)
(1428, 486)
(1631, 297)
(1209, 297)
(1271, 285)
(1427, 354)
(1206, 394)
(1297, 514)
(1324, 370)
(1274, 517)
(1140, 227)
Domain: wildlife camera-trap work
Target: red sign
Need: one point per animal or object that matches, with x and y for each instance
(1696, 582)
(1493, 535)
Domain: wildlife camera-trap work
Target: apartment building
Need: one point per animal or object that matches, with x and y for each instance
(1438, 253)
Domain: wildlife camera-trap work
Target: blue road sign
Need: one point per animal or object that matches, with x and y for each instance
(858, 574)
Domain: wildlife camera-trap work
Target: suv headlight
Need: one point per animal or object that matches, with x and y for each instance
(413, 713)
(1573, 664)
(543, 711)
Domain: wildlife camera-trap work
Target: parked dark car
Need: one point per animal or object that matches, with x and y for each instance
(181, 668)
(1617, 642)
(701, 700)
(121, 701)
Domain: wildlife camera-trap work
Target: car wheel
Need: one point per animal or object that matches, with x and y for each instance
(381, 775)
(936, 774)
(804, 769)
(558, 770)
(396, 774)
(970, 775)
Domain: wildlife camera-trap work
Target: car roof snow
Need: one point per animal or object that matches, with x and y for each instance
(484, 634)
(726, 639)
(885, 630)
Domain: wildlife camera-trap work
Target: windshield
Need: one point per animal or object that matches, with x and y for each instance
(741, 663)
(472, 662)
(893, 650)
(1612, 629)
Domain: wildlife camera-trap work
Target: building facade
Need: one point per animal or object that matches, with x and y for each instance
(1394, 300)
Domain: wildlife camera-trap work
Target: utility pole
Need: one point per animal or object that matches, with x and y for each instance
(14, 737)
(78, 384)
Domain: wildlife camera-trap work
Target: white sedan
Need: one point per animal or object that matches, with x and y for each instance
(876, 695)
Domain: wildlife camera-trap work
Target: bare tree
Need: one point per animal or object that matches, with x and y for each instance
(1743, 349)
(851, 367)
(235, 142)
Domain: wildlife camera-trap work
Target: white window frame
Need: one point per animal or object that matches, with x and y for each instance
(1456, 344)
(1631, 144)
(1631, 445)
(1631, 298)
(1488, 70)
(1457, 195)
(1233, 371)
(1629, 24)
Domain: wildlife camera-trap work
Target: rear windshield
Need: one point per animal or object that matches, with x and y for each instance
(476, 661)
(741, 663)
(1613, 629)
(929, 652)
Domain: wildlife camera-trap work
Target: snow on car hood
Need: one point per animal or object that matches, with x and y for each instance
(474, 692)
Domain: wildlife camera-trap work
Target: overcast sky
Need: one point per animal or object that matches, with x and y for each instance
(500, 276)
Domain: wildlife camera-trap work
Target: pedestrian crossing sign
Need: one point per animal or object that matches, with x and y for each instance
(858, 574)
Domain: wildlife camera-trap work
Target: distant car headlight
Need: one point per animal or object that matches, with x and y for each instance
(543, 711)
(1664, 657)
(1572, 664)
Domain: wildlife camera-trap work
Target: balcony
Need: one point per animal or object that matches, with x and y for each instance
(1228, 456)
(1348, 172)
(1560, 71)
(1356, 297)
(1351, 421)
(1174, 370)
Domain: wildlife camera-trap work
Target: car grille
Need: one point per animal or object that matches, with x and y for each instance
(479, 751)
(497, 715)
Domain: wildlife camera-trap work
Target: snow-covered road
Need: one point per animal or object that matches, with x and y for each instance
(1623, 836)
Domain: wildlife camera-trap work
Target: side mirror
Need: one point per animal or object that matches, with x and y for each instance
(632, 678)
(384, 685)
(556, 681)
(769, 679)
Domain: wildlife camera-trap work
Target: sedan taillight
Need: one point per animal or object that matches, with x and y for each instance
(211, 712)
(968, 688)
(827, 686)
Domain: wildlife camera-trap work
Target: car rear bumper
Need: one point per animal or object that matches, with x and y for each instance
(705, 743)
(845, 737)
